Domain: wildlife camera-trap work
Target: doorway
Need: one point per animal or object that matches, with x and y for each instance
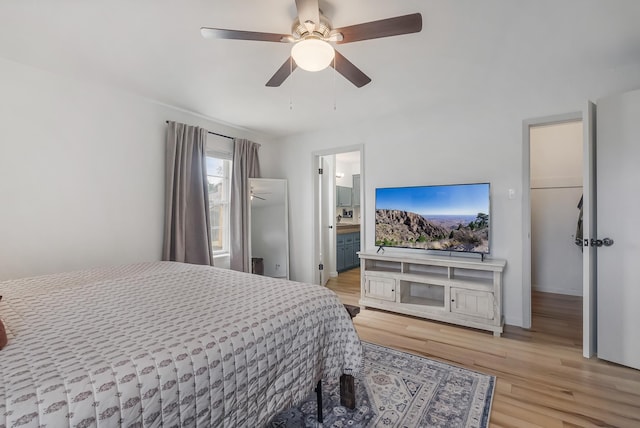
(347, 212)
(549, 191)
(556, 194)
(339, 210)
(556, 187)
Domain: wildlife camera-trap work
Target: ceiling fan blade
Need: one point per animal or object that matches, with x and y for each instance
(383, 28)
(221, 33)
(308, 11)
(352, 73)
(283, 72)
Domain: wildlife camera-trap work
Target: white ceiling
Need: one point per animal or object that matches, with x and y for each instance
(468, 48)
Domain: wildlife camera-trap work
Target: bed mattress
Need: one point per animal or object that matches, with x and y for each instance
(166, 344)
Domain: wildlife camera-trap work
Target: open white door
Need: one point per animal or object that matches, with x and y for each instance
(325, 215)
(321, 239)
(329, 215)
(618, 205)
(589, 256)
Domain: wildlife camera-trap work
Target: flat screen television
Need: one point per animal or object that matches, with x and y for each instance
(444, 217)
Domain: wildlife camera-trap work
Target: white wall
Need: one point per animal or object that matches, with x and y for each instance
(556, 188)
(81, 173)
(464, 140)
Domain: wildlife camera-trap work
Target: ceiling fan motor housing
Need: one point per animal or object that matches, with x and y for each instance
(322, 29)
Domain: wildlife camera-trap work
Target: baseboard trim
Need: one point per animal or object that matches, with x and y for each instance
(549, 289)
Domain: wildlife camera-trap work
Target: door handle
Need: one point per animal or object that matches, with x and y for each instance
(607, 242)
(596, 242)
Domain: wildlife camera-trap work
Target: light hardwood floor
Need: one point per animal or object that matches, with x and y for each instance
(542, 378)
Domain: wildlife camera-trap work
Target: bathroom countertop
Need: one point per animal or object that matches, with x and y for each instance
(347, 228)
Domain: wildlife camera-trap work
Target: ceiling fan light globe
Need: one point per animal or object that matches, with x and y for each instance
(312, 54)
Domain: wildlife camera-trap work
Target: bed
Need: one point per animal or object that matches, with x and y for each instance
(166, 344)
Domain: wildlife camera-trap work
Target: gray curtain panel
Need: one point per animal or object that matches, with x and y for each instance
(245, 165)
(187, 230)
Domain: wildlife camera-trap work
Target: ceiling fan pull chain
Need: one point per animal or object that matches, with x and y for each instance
(290, 86)
(334, 83)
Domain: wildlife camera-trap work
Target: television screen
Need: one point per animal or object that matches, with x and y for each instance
(448, 218)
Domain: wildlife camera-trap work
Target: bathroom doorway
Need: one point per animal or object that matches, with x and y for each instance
(339, 211)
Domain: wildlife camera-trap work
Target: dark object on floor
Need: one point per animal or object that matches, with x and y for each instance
(3, 334)
(353, 310)
(319, 399)
(347, 385)
(347, 382)
(257, 266)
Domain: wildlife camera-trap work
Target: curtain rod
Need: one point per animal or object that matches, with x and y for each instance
(213, 133)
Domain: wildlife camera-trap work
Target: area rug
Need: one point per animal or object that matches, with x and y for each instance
(398, 389)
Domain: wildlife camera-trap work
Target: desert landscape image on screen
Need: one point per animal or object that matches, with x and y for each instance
(447, 218)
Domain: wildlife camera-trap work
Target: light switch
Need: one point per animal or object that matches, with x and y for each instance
(512, 193)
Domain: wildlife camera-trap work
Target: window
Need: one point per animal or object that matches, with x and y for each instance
(219, 178)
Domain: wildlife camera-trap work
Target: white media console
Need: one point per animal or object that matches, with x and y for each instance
(457, 290)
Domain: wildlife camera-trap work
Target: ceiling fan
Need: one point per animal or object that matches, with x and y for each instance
(255, 194)
(310, 36)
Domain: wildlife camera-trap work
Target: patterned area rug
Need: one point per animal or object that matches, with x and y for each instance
(401, 390)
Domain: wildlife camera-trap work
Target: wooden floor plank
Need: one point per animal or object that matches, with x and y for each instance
(542, 378)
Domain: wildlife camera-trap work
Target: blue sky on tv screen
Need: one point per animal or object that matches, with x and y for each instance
(465, 199)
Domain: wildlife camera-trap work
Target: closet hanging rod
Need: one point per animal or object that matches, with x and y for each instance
(556, 187)
(213, 133)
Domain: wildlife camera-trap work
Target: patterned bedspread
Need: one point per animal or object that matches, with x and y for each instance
(166, 344)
